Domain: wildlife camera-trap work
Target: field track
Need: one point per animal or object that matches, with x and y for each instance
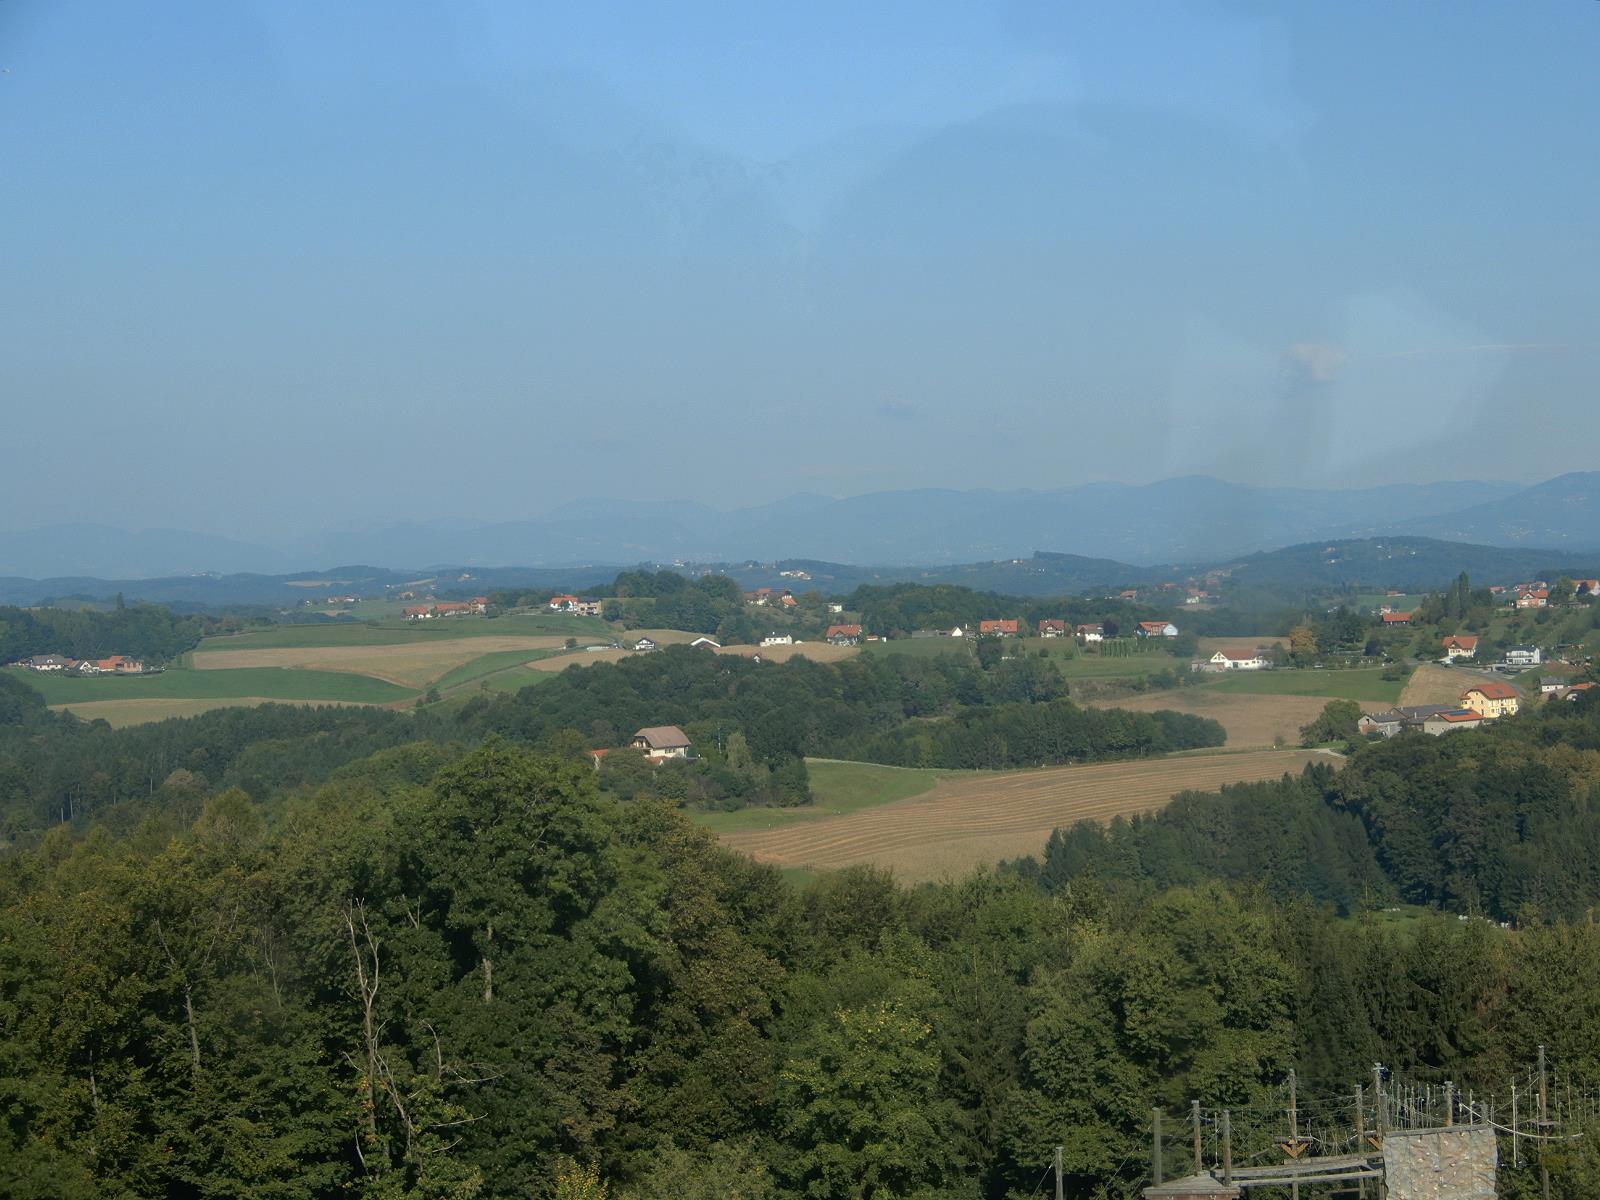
(964, 823)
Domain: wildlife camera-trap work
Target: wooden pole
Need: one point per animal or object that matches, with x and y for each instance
(1294, 1129)
(1155, 1147)
(1060, 1192)
(1194, 1118)
(1361, 1141)
(1516, 1146)
(1227, 1147)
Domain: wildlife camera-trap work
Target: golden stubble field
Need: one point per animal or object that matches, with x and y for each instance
(1250, 721)
(409, 664)
(1430, 684)
(964, 823)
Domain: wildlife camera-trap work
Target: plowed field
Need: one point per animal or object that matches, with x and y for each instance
(966, 822)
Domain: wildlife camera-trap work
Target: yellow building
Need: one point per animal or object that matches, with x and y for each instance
(1491, 698)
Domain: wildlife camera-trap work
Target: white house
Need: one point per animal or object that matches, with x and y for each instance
(644, 645)
(707, 643)
(1091, 633)
(1524, 656)
(778, 639)
(835, 608)
(1460, 645)
(1156, 629)
(663, 741)
(1238, 660)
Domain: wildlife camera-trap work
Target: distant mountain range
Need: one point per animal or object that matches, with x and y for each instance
(1412, 564)
(1194, 519)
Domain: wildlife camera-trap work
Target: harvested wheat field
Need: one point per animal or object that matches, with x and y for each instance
(120, 713)
(1251, 721)
(1437, 685)
(409, 664)
(963, 823)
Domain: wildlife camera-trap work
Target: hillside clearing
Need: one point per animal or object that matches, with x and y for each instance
(1252, 722)
(969, 821)
(408, 664)
(837, 788)
(1430, 684)
(1238, 645)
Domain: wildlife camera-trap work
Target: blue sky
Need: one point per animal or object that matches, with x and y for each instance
(278, 265)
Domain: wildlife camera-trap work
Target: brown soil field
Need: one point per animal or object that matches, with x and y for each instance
(119, 713)
(409, 664)
(1210, 645)
(965, 823)
(1251, 721)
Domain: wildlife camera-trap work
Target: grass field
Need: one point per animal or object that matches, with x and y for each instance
(394, 633)
(1430, 684)
(838, 788)
(408, 664)
(263, 683)
(1364, 683)
(977, 819)
(919, 647)
(1210, 645)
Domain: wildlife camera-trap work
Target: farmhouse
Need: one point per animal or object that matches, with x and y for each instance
(1452, 718)
(565, 604)
(788, 600)
(1586, 587)
(1049, 628)
(1007, 627)
(1460, 645)
(117, 664)
(1238, 660)
(49, 662)
(1149, 629)
(1579, 690)
(453, 608)
(645, 645)
(1534, 598)
(1396, 720)
(844, 635)
(420, 612)
(1091, 633)
(761, 597)
(562, 603)
(1550, 684)
(835, 608)
(708, 643)
(1392, 620)
(778, 639)
(663, 741)
(1492, 698)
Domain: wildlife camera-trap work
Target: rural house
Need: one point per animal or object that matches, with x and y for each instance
(1492, 698)
(117, 664)
(844, 635)
(1238, 660)
(1524, 656)
(1586, 587)
(1534, 598)
(1460, 645)
(1148, 629)
(419, 612)
(1091, 633)
(1452, 718)
(1396, 720)
(1393, 620)
(1007, 627)
(708, 643)
(663, 741)
(49, 662)
(778, 639)
(645, 645)
(1049, 628)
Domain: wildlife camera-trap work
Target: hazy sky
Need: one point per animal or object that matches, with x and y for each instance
(271, 265)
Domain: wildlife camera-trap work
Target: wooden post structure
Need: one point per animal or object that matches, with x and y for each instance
(1516, 1158)
(1294, 1128)
(1155, 1147)
(1544, 1126)
(1060, 1187)
(1227, 1147)
(1361, 1141)
(1380, 1118)
(1449, 1103)
(1194, 1118)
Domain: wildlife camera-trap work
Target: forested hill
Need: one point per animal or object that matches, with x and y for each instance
(449, 973)
(145, 631)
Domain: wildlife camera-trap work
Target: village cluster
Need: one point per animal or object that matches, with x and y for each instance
(117, 664)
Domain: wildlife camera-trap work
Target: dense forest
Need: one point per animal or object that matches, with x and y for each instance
(468, 973)
(903, 710)
(150, 632)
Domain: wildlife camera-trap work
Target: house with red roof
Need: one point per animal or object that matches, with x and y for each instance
(844, 635)
(1156, 629)
(1534, 598)
(1392, 620)
(1007, 627)
(1050, 628)
(1460, 645)
(1492, 698)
